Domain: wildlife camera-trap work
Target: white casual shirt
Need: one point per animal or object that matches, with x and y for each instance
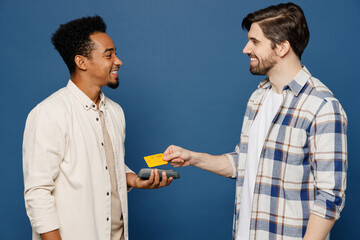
(257, 135)
(67, 183)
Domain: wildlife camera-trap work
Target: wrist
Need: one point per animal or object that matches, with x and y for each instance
(131, 179)
(195, 158)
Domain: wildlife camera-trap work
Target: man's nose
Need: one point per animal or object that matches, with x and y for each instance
(118, 61)
(247, 49)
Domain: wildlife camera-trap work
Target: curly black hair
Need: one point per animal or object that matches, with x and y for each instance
(73, 38)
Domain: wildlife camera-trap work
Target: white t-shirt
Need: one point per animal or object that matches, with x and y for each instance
(257, 135)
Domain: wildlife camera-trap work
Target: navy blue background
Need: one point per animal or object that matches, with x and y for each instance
(184, 81)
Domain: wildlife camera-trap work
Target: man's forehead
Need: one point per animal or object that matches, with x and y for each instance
(256, 32)
(102, 41)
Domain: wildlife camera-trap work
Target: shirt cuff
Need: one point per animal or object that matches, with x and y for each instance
(128, 170)
(327, 206)
(325, 213)
(232, 161)
(45, 224)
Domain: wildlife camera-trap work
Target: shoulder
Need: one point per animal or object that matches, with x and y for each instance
(53, 106)
(56, 100)
(318, 94)
(320, 90)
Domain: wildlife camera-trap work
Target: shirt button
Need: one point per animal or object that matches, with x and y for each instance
(93, 106)
(107, 219)
(107, 194)
(97, 119)
(106, 167)
(102, 144)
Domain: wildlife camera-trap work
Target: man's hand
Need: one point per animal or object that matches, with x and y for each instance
(177, 156)
(152, 183)
(180, 157)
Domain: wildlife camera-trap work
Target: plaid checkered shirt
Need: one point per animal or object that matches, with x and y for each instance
(303, 163)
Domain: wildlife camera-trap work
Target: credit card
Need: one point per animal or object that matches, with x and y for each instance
(155, 160)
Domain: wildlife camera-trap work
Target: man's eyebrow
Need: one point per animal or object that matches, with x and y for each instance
(253, 39)
(109, 50)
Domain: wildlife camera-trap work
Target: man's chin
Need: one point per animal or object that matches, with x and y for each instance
(256, 72)
(259, 72)
(113, 85)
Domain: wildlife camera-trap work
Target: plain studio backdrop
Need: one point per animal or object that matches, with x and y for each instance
(184, 81)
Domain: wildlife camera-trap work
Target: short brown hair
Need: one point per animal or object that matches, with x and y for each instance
(282, 22)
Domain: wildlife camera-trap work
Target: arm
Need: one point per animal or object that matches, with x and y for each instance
(43, 149)
(328, 159)
(53, 235)
(318, 227)
(152, 183)
(180, 157)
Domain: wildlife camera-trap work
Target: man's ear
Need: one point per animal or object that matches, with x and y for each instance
(80, 62)
(283, 48)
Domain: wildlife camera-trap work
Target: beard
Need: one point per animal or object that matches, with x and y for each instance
(113, 85)
(263, 66)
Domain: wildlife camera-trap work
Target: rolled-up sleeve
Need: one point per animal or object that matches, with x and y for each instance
(42, 155)
(233, 158)
(328, 159)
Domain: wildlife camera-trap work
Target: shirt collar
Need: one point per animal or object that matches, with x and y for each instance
(296, 85)
(102, 101)
(83, 98)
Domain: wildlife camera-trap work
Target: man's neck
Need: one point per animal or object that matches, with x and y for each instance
(90, 90)
(283, 73)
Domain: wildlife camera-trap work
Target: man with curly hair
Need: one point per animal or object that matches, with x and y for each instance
(291, 161)
(76, 181)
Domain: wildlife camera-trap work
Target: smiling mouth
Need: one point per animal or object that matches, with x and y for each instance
(114, 73)
(253, 60)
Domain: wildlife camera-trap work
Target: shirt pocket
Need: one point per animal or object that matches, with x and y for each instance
(294, 145)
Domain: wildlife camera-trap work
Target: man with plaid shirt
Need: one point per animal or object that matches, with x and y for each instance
(291, 161)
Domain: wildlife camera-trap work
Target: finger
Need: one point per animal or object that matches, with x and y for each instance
(169, 181)
(177, 160)
(164, 179)
(168, 150)
(171, 156)
(151, 178)
(176, 164)
(156, 179)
